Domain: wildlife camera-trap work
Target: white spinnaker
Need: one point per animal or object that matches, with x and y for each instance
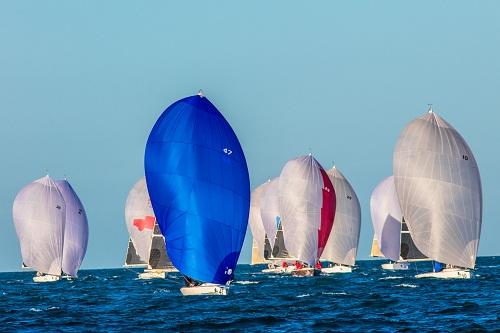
(439, 188)
(137, 208)
(76, 230)
(300, 198)
(386, 218)
(39, 218)
(342, 244)
(255, 220)
(270, 209)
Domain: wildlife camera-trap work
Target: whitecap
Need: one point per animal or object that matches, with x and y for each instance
(247, 282)
(330, 293)
(304, 295)
(391, 278)
(35, 310)
(406, 285)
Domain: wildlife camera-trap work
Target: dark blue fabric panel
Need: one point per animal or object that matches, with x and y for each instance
(199, 186)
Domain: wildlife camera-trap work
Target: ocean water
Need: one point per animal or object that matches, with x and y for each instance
(368, 299)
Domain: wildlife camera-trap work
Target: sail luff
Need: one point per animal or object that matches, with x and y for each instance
(140, 218)
(76, 230)
(386, 218)
(439, 189)
(342, 244)
(255, 219)
(39, 218)
(197, 177)
(307, 206)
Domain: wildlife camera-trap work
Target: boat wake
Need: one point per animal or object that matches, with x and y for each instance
(406, 285)
(247, 282)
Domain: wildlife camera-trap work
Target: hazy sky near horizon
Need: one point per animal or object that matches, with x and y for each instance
(82, 83)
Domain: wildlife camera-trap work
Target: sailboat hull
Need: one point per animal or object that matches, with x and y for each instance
(152, 274)
(305, 272)
(45, 278)
(396, 266)
(448, 273)
(205, 289)
(336, 269)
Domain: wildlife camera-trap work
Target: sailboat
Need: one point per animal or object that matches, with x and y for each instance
(260, 245)
(198, 180)
(307, 205)
(146, 239)
(391, 235)
(76, 230)
(39, 218)
(280, 261)
(342, 246)
(439, 189)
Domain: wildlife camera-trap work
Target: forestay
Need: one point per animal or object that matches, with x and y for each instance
(439, 189)
(76, 230)
(39, 218)
(386, 218)
(342, 244)
(307, 206)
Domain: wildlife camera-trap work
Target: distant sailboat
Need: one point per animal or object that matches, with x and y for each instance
(76, 230)
(439, 189)
(39, 217)
(199, 185)
(260, 241)
(307, 205)
(342, 245)
(270, 214)
(145, 237)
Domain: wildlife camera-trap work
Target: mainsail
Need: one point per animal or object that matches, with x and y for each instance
(386, 218)
(307, 206)
(76, 230)
(39, 217)
(199, 185)
(133, 259)
(140, 219)
(439, 189)
(255, 219)
(257, 257)
(270, 210)
(158, 257)
(342, 244)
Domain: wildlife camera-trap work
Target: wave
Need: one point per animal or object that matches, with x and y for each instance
(247, 282)
(303, 295)
(406, 285)
(391, 278)
(332, 293)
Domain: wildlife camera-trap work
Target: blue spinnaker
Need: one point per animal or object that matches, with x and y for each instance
(198, 181)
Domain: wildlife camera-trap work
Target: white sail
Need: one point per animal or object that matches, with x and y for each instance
(270, 210)
(439, 189)
(140, 219)
(386, 218)
(39, 218)
(255, 220)
(342, 244)
(301, 196)
(76, 230)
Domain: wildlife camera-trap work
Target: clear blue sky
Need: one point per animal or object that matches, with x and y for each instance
(82, 83)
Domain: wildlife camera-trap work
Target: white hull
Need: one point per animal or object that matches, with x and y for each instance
(151, 274)
(45, 278)
(447, 273)
(279, 270)
(336, 269)
(396, 266)
(205, 289)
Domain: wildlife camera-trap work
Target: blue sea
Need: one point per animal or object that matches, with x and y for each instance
(368, 299)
